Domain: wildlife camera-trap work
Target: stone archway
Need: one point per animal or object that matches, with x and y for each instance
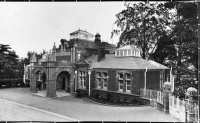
(69, 85)
(34, 74)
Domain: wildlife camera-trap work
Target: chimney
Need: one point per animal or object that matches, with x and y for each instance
(101, 54)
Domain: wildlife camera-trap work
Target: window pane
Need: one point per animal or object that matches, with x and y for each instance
(105, 85)
(128, 88)
(121, 52)
(125, 52)
(121, 87)
(129, 52)
(128, 83)
(104, 74)
(128, 76)
(121, 75)
(117, 53)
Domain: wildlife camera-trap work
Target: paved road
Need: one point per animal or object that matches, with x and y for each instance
(83, 109)
(11, 111)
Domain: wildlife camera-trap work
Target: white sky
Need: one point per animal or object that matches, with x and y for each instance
(30, 26)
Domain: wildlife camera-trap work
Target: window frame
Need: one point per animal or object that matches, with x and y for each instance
(82, 78)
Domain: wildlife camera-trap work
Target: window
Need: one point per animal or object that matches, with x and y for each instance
(104, 83)
(129, 52)
(125, 52)
(133, 53)
(98, 82)
(82, 78)
(128, 86)
(117, 52)
(102, 80)
(121, 85)
(161, 78)
(128, 76)
(120, 75)
(121, 52)
(128, 82)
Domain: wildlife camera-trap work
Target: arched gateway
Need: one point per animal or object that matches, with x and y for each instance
(58, 75)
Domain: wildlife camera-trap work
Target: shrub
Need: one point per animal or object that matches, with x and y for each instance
(97, 96)
(134, 101)
(108, 97)
(78, 94)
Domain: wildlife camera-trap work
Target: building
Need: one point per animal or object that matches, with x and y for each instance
(85, 61)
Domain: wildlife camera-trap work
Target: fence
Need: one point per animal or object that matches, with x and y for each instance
(153, 95)
(191, 108)
(184, 110)
(177, 108)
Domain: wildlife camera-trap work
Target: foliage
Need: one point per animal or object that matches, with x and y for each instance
(184, 34)
(8, 62)
(142, 24)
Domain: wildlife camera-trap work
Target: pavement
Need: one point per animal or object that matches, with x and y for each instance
(19, 102)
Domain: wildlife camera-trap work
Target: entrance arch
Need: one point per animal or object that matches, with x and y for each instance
(36, 78)
(69, 80)
(63, 81)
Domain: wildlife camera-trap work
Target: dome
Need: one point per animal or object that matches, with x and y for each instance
(97, 34)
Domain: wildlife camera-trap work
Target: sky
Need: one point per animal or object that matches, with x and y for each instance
(32, 26)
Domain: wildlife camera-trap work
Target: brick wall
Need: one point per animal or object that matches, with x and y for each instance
(153, 80)
(112, 84)
(137, 80)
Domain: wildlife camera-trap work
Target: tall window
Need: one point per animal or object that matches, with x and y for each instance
(128, 82)
(129, 52)
(98, 78)
(121, 82)
(117, 52)
(161, 78)
(121, 52)
(82, 78)
(105, 80)
(125, 52)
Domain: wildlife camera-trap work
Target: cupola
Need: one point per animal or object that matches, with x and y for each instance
(97, 38)
(127, 50)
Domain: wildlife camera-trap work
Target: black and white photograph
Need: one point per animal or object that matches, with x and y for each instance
(99, 61)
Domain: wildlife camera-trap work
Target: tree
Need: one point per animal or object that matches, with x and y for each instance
(142, 24)
(184, 34)
(8, 61)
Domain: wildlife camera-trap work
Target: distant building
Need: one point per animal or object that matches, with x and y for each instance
(116, 70)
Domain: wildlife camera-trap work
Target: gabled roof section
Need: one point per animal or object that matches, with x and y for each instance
(81, 32)
(112, 62)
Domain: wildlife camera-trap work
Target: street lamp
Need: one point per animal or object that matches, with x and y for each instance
(75, 80)
(89, 72)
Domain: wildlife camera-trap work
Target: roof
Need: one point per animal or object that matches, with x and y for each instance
(128, 47)
(81, 32)
(110, 61)
(84, 43)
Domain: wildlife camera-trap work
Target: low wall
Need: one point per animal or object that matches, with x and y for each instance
(115, 95)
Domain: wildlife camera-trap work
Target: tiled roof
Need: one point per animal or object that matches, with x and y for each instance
(110, 61)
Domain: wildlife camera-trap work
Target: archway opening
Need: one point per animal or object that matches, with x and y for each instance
(63, 81)
(40, 80)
